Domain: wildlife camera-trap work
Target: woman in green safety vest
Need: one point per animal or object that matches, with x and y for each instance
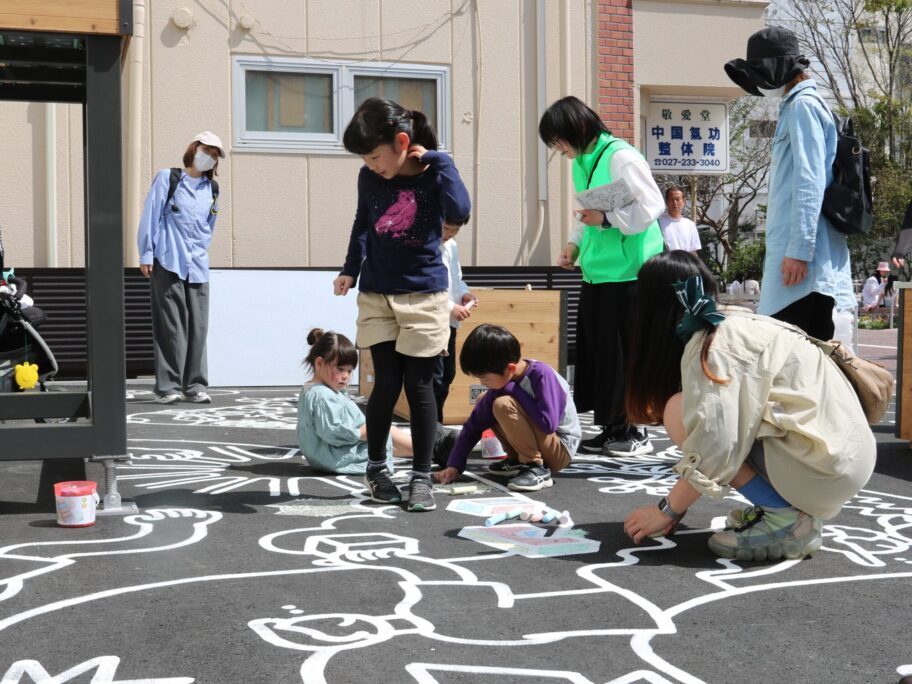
(609, 246)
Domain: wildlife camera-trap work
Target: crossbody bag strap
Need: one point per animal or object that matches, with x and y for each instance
(597, 160)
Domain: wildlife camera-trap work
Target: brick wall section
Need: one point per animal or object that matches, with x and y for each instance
(615, 66)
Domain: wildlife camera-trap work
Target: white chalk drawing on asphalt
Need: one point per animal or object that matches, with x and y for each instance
(105, 668)
(277, 413)
(417, 579)
(904, 670)
(182, 527)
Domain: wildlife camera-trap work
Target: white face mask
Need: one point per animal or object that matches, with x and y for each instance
(202, 162)
(775, 92)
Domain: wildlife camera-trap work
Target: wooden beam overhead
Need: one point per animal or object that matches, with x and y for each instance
(69, 16)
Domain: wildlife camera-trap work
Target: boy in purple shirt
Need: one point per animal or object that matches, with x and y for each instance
(528, 406)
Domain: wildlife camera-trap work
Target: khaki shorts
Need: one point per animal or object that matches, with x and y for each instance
(419, 323)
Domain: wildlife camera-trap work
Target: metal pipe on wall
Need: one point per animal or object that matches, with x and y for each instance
(50, 167)
(133, 165)
(566, 170)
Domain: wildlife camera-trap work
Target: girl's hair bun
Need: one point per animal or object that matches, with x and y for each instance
(314, 335)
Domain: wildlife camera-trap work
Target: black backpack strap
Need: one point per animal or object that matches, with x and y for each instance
(173, 180)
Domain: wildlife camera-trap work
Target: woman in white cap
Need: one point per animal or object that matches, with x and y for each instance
(174, 236)
(872, 293)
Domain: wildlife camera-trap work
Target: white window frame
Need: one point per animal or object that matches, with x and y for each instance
(343, 88)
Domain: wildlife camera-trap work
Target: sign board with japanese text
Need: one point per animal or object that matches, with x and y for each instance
(687, 137)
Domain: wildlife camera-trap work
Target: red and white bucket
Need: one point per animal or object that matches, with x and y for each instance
(76, 503)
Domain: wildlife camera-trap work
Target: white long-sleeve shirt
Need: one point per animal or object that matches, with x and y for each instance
(638, 215)
(458, 289)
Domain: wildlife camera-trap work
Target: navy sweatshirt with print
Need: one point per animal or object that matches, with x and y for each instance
(395, 240)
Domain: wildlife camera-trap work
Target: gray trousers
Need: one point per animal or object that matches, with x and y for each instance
(180, 322)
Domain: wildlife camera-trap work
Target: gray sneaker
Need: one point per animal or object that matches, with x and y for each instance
(634, 444)
(778, 533)
(381, 487)
(199, 398)
(531, 479)
(421, 495)
(167, 398)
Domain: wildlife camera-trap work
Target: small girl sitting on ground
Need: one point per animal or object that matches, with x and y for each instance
(332, 431)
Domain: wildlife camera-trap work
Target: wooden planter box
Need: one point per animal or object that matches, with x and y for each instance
(536, 317)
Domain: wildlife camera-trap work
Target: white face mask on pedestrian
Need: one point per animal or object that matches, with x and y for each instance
(202, 162)
(775, 92)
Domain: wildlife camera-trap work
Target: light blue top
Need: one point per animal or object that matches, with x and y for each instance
(180, 239)
(804, 147)
(329, 425)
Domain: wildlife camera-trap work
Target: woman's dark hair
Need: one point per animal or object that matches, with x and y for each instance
(334, 348)
(888, 290)
(673, 188)
(654, 366)
(190, 153)
(378, 121)
(489, 349)
(570, 120)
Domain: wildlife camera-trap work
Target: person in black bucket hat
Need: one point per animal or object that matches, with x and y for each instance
(806, 272)
(773, 60)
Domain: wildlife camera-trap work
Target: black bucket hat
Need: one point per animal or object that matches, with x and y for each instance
(773, 59)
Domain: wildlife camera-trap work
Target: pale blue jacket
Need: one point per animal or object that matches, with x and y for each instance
(804, 147)
(178, 235)
(329, 425)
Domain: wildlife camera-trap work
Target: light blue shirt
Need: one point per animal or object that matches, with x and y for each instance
(801, 168)
(179, 240)
(329, 431)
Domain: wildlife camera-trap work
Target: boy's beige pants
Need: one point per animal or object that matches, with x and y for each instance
(523, 440)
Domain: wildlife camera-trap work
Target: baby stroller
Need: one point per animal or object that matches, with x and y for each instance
(19, 339)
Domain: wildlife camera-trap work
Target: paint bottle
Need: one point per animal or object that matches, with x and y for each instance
(491, 446)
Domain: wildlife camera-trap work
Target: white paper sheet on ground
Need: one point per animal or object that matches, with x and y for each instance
(606, 198)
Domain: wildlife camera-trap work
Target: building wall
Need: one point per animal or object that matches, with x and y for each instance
(296, 209)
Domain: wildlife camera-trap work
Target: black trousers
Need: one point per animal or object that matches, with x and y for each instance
(602, 327)
(813, 314)
(444, 374)
(391, 371)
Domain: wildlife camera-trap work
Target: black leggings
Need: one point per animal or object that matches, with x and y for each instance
(391, 370)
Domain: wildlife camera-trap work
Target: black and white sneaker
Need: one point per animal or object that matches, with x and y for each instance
(505, 467)
(531, 479)
(381, 487)
(636, 443)
(421, 494)
(594, 444)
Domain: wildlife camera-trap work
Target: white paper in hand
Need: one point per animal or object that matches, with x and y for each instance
(606, 198)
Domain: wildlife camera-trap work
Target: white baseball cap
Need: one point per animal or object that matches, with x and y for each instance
(211, 139)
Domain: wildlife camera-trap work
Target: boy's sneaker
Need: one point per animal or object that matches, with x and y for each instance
(443, 445)
(199, 398)
(742, 517)
(531, 479)
(421, 494)
(777, 533)
(505, 467)
(635, 443)
(594, 444)
(167, 398)
(381, 487)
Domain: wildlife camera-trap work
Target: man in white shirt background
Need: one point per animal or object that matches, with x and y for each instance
(679, 232)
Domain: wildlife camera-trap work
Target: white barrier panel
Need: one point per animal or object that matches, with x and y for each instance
(259, 320)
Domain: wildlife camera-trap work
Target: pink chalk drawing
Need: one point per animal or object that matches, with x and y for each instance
(398, 218)
(531, 541)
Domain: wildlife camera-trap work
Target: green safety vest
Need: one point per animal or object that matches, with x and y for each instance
(609, 256)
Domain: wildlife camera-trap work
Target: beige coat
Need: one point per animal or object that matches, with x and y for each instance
(819, 448)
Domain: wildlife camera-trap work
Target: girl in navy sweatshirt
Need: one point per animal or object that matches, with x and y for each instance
(405, 190)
